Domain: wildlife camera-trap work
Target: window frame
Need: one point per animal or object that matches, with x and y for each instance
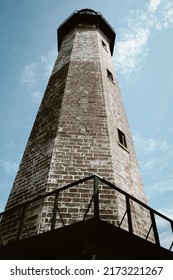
(110, 76)
(122, 139)
(104, 45)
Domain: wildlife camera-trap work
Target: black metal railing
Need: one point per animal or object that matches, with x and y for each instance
(158, 228)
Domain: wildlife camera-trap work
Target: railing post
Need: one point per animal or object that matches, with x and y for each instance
(54, 211)
(96, 198)
(1, 242)
(156, 235)
(0, 230)
(21, 221)
(172, 236)
(129, 216)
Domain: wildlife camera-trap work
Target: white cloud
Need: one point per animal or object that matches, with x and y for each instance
(153, 5)
(154, 144)
(36, 97)
(141, 25)
(164, 227)
(47, 61)
(166, 238)
(168, 14)
(156, 161)
(36, 74)
(161, 187)
(9, 166)
(168, 212)
(132, 48)
(29, 74)
(128, 53)
(151, 144)
(150, 164)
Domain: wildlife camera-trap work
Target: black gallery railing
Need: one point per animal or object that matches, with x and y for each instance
(134, 213)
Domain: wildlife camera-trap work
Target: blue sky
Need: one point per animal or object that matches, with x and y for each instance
(144, 66)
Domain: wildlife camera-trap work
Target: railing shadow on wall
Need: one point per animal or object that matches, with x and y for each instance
(90, 197)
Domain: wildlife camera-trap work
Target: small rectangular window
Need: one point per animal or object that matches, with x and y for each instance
(122, 138)
(104, 45)
(110, 76)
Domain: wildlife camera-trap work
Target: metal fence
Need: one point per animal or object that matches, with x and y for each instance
(159, 227)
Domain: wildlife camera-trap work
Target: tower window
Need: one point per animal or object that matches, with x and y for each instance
(104, 45)
(122, 138)
(110, 76)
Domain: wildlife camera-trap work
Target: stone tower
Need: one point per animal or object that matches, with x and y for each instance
(81, 128)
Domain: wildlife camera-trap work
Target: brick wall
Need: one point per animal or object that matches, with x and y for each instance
(75, 134)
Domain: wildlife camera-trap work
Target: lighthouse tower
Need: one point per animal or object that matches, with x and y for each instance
(80, 131)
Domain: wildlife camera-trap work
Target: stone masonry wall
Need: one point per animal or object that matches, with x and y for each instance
(126, 170)
(74, 135)
(82, 145)
(87, 137)
(31, 179)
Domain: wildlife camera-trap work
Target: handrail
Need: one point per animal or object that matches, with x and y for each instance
(134, 199)
(95, 200)
(20, 205)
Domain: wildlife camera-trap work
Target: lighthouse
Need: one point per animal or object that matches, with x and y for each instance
(80, 134)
